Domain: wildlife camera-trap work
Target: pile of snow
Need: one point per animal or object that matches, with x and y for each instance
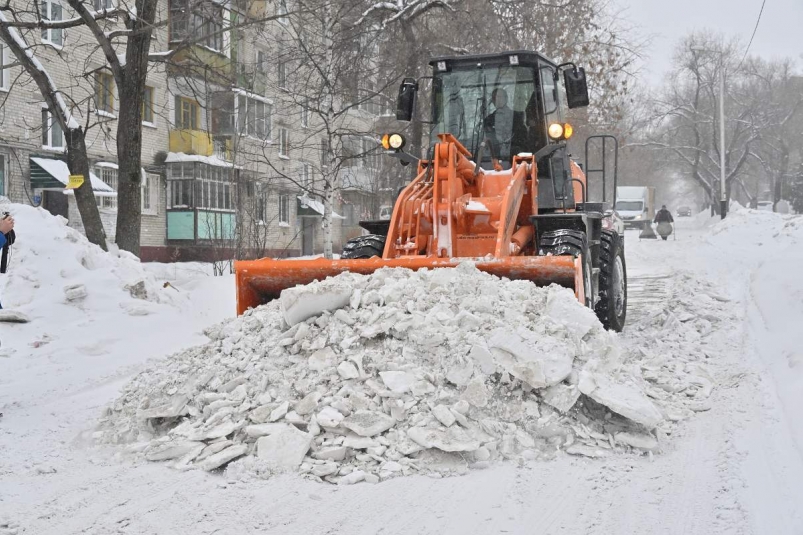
(769, 246)
(53, 266)
(371, 377)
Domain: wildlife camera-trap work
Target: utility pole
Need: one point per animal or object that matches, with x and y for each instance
(723, 206)
(723, 198)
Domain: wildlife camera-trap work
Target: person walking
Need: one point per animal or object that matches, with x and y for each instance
(6, 239)
(664, 220)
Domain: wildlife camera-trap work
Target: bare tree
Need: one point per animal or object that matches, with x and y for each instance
(14, 24)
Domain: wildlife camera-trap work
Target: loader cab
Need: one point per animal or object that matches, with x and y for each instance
(502, 105)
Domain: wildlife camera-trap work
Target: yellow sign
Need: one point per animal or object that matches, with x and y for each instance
(75, 181)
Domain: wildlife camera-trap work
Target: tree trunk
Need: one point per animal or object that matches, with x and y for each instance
(129, 129)
(78, 164)
(328, 202)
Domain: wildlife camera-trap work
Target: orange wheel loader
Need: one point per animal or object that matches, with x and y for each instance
(496, 187)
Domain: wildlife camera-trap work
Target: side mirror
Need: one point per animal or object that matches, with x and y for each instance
(576, 87)
(405, 104)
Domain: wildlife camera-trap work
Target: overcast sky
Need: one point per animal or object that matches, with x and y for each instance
(780, 33)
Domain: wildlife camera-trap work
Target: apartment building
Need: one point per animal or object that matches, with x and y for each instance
(233, 154)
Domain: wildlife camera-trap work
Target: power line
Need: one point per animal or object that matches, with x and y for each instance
(754, 34)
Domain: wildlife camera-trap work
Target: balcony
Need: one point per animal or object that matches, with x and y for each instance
(196, 142)
(223, 148)
(257, 9)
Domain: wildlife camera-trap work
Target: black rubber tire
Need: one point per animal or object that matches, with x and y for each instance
(570, 242)
(611, 248)
(366, 246)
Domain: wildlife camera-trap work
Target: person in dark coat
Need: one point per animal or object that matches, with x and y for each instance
(664, 221)
(6, 228)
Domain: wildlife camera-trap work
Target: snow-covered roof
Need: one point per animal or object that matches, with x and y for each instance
(176, 157)
(59, 170)
(317, 206)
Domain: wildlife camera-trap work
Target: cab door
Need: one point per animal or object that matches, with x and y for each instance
(557, 166)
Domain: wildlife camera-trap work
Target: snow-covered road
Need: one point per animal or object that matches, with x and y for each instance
(734, 466)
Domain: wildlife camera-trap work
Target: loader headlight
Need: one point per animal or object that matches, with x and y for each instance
(560, 131)
(393, 141)
(555, 130)
(396, 141)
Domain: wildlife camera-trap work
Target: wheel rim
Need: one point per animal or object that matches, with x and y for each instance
(618, 287)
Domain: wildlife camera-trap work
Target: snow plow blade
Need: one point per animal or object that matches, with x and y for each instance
(260, 281)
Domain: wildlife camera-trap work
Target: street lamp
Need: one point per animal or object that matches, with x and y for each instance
(723, 202)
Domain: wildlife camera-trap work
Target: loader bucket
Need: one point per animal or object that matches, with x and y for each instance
(260, 281)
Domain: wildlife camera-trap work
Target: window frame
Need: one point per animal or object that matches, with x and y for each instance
(284, 143)
(307, 177)
(305, 115)
(281, 12)
(249, 121)
(47, 131)
(4, 71)
(281, 74)
(150, 192)
(104, 90)
(5, 179)
(99, 5)
(179, 116)
(110, 176)
(149, 104)
(284, 210)
(205, 26)
(48, 33)
(207, 187)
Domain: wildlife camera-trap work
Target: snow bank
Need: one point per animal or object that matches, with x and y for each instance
(771, 246)
(53, 265)
(396, 373)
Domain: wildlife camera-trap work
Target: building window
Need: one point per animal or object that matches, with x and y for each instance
(188, 114)
(181, 180)
(282, 74)
(198, 185)
(52, 135)
(203, 24)
(281, 11)
(3, 176)
(260, 72)
(4, 60)
(100, 5)
(372, 156)
(254, 117)
(51, 10)
(150, 194)
(284, 210)
(107, 174)
(304, 115)
(306, 177)
(284, 149)
(147, 106)
(260, 209)
(324, 152)
(368, 100)
(104, 92)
